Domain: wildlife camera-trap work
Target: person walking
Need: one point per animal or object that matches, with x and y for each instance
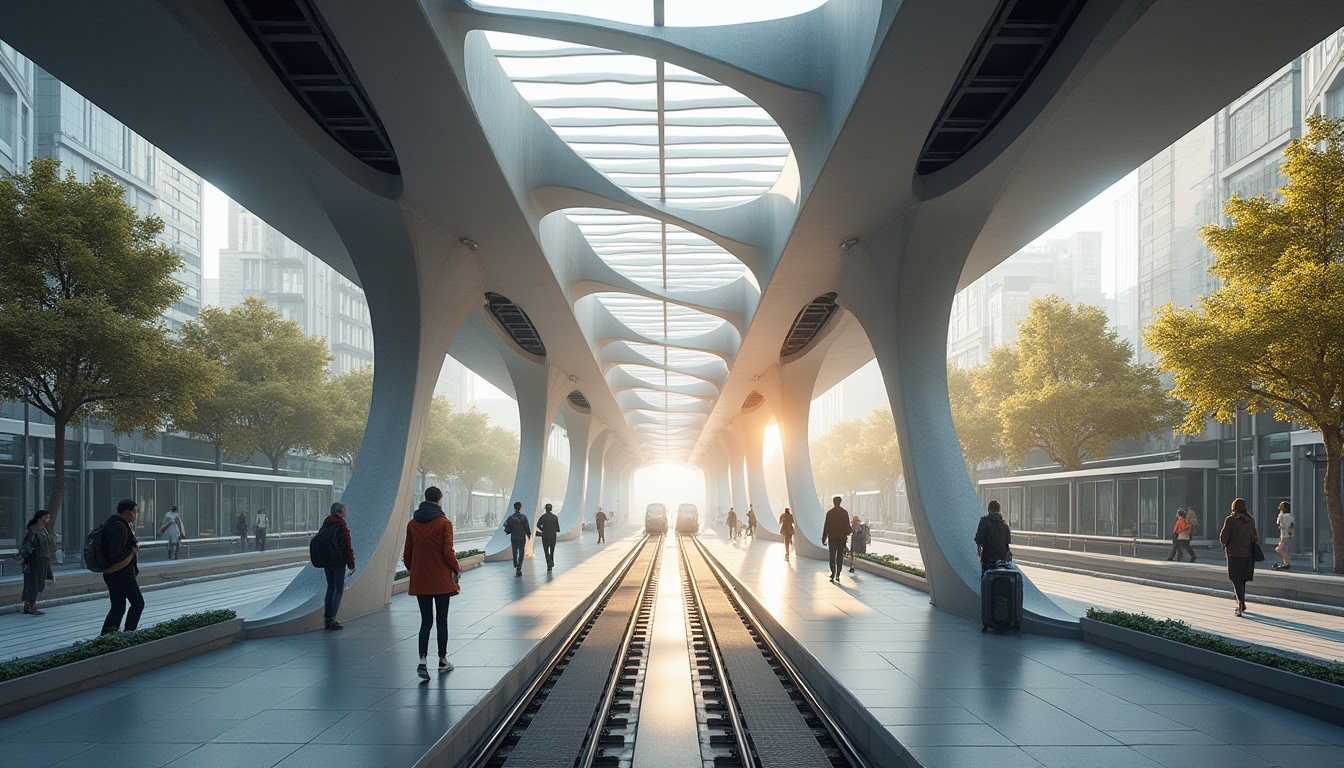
(992, 538)
(519, 531)
(1194, 521)
(786, 530)
(240, 528)
(121, 548)
(600, 520)
(548, 527)
(751, 521)
(858, 541)
(1180, 537)
(37, 552)
(732, 524)
(1239, 538)
(432, 562)
(1287, 529)
(172, 523)
(834, 532)
(262, 523)
(335, 571)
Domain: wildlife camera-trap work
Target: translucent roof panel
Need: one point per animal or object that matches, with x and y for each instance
(676, 13)
(662, 132)
(673, 357)
(658, 376)
(655, 254)
(657, 319)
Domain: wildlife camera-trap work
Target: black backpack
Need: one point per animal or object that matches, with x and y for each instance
(324, 551)
(95, 557)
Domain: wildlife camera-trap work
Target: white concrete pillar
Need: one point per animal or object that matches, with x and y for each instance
(750, 427)
(737, 480)
(593, 485)
(578, 427)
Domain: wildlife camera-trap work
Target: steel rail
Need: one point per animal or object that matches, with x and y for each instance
(823, 713)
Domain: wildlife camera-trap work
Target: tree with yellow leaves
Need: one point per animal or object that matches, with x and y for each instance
(1271, 337)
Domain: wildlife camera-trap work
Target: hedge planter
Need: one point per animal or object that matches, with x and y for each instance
(1286, 689)
(24, 693)
(901, 577)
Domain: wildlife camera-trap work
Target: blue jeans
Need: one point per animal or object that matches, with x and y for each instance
(519, 546)
(335, 590)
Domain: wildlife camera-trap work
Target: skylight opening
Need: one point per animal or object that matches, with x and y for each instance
(676, 13)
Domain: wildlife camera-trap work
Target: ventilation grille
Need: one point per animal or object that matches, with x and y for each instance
(753, 400)
(306, 57)
(809, 322)
(576, 397)
(516, 323)
(1009, 55)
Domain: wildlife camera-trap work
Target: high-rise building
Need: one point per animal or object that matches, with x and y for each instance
(986, 313)
(87, 140)
(1124, 307)
(262, 262)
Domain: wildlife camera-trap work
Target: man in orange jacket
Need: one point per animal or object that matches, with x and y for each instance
(432, 562)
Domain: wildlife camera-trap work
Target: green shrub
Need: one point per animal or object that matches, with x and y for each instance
(402, 573)
(87, 649)
(1181, 632)
(893, 562)
(470, 553)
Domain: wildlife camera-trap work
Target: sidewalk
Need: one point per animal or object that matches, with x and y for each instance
(955, 697)
(320, 699)
(1304, 632)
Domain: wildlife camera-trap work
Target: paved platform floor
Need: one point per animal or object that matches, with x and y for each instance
(323, 699)
(1308, 633)
(955, 697)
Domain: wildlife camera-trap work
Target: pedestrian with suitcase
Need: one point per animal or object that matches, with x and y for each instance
(1000, 582)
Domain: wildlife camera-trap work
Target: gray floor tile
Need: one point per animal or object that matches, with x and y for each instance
(1298, 756)
(296, 726)
(174, 730)
(1188, 737)
(143, 756)
(234, 756)
(335, 696)
(935, 756)
(966, 734)
(1233, 726)
(423, 726)
(352, 756)
(1090, 757)
(922, 715)
(1207, 756)
(38, 754)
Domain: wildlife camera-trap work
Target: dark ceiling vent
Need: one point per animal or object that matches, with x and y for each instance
(1009, 55)
(753, 400)
(576, 397)
(809, 322)
(306, 57)
(516, 323)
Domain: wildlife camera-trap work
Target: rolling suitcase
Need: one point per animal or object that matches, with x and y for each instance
(1001, 598)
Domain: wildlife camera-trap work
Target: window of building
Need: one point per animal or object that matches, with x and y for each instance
(291, 281)
(252, 272)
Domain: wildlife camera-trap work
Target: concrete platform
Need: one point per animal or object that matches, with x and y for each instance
(328, 699)
(955, 697)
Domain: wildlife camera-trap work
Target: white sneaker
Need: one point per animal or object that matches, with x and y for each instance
(422, 671)
(444, 665)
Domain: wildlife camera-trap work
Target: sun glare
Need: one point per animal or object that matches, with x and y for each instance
(670, 484)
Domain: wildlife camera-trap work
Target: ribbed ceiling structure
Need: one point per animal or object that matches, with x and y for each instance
(679, 141)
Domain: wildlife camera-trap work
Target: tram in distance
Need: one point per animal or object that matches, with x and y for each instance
(655, 518)
(688, 518)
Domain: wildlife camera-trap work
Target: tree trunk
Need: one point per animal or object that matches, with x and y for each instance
(58, 475)
(1334, 451)
(219, 458)
(467, 513)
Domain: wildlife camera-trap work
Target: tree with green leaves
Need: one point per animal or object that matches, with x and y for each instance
(973, 415)
(1271, 337)
(833, 465)
(349, 396)
(84, 283)
(1074, 386)
(272, 395)
(440, 443)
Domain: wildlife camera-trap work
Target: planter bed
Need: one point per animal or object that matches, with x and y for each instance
(403, 583)
(900, 577)
(1286, 689)
(24, 693)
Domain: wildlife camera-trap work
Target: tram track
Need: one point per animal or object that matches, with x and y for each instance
(752, 709)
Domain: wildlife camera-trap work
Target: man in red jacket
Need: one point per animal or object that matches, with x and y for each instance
(335, 571)
(432, 562)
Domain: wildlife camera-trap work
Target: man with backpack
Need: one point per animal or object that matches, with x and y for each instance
(332, 551)
(119, 551)
(519, 531)
(548, 526)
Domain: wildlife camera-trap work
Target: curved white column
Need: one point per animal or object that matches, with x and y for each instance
(593, 486)
(737, 479)
(577, 428)
(751, 428)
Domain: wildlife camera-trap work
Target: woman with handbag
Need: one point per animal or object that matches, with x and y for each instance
(1241, 542)
(37, 552)
(1180, 537)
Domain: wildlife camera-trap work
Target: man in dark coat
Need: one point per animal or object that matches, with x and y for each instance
(121, 549)
(548, 527)
(519, 531)
(335, 572)
(834, 533)
(992, 538)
